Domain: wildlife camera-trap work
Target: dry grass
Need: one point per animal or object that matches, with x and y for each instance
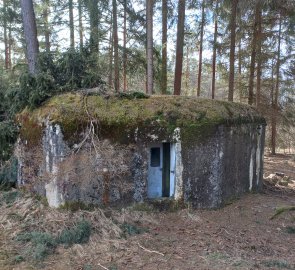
(238, 236)
(28, 214)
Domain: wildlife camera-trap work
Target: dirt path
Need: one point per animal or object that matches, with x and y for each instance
(239, 236)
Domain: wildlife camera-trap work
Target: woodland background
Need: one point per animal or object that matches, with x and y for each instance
(241, 51)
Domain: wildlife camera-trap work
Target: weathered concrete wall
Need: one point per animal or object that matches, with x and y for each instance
(93, 172)
(209, 170)
(223, 166)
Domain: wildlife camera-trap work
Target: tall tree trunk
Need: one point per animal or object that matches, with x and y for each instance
(164, 47)
(187, 70)
(111, 49)
(30, 32)
(214, 50)
(201, 50)
(240, 69)
(10, 41)
(80, 12)
(239, 36)
(6, 41)
(231, 83)
(259, 59)
(124, 48)
(116, 47)
(72, 29)
(46, 26)
(276, 94)
(179, 47)
(149, 31)
(253, 54)
(94, 21)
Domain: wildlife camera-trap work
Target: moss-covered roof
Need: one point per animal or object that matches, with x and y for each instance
(123, 112)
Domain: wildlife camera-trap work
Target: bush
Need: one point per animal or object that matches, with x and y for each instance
(79, 234)
(130, 229)
(8, 135)
(58, 73)
(8, 173)
(10, 196)
(42, 244)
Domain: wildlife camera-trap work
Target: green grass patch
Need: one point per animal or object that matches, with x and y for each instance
(217, 256)
(279, 264)
(290, 229)
(143, 207)
(283, 209)
(42, 244)
(130, 229)
(75, 206)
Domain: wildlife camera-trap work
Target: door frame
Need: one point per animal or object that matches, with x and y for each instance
(166, 180)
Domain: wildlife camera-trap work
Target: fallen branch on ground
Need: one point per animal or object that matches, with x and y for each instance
(151, 251)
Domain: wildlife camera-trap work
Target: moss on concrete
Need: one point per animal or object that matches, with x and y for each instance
(117, 117)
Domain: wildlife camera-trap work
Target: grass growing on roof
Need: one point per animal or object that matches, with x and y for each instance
(74, 111)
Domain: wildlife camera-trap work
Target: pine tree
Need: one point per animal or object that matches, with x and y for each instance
(30, 32)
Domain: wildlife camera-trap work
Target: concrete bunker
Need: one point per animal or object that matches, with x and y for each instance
(129, 148)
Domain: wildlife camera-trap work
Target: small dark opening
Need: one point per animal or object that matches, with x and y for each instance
(155, 157)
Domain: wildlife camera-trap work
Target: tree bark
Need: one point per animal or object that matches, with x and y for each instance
(276, 94)
(240, 69)
(94, 21)
(46, 26)
(111, 49)
(80, 12)
(187, 69)
(71, 21)
(116, 47)
(259, 60)
(30, 32)
(214, 50)
(179, 47)
(10, 42)
(149, 30)
(253, 54)
(231, 84)
(240, 85)
(6, 41)
(124, 48)
(201, 50)
(164, 47)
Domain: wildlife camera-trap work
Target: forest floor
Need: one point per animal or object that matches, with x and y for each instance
(256, 231)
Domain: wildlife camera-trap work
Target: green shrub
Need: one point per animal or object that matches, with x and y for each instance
(18, 259)
(79, 234)
(42, 244)
(8, 135)
(8, 173)
(130, 229)
(10, 196)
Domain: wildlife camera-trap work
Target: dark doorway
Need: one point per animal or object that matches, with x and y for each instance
(166, 170)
